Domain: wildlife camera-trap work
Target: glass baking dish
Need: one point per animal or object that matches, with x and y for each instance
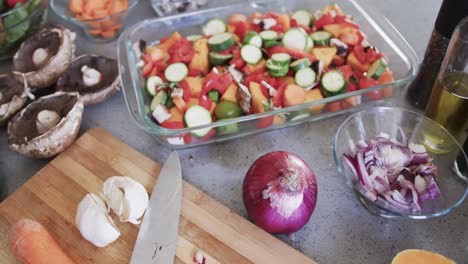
(380, 32)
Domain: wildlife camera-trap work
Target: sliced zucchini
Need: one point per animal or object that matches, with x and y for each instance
(253, 38)
(295, 38)
(298, 115)
(310, 44)
(251, 54)
(333, 83)
(176, 72)
(214, 26)
(305, 77)
(271, 43)
(321, 38)
(377, 69)
(221, 41)
(194, 37)
(219, 59)
(300, 64)
(302, 17)
(269, 35)
(160, 98)
(281, 58)
(197, 115)
(152, 84)
(276, 70)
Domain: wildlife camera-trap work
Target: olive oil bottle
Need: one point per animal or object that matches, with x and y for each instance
(448, 105)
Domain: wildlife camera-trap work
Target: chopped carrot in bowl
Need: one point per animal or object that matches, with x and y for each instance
(97, 15)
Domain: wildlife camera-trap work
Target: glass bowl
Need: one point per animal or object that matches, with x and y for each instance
(452, 163)
(377, 28)
(19, 23)
(101, 29)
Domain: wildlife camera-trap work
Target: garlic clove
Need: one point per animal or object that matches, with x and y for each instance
(40, 57)
(94, 222)
(45, 120)
(91, 76)
(125, 197)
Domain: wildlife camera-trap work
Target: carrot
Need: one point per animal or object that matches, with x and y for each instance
(108, 33)
(97, 13)
(31, 243)
(180, 103)
(91, 5)
(176, 115)
(94, 32)
(293, 95)
(76, 6)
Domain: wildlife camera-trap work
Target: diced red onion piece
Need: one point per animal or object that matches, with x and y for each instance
(432, 187)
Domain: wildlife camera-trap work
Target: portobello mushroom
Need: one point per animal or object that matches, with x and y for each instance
(44, 57)
(12, 97)
(47, 126)
(94, 77)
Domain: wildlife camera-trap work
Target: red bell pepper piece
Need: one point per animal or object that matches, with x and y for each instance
(205, 102)
(278, 28)
(367, 82)
(347, 71)
(294, 22)
(210, 134)
(308, 30)
(223, 82)
(334, 106)
(278, 97)
(210, 81)
(372, 55)
(230, 50)
(181, 51)
(241, 29)
(343, 20)
(270, 15)
(237, 60)
(324, 20)
(172, 124)
(194, 72)
(187, 91)
(265, 122)
(360, 53)
(147, 68)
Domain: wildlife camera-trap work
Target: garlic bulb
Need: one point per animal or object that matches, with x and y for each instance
(46, 120)
(94, 222)
(126, 197)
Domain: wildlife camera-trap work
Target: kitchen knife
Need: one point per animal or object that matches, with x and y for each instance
(157, 238)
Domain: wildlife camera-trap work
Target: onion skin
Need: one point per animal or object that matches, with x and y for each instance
(270, 168)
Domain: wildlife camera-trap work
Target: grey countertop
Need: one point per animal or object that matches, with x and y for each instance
(340, 230)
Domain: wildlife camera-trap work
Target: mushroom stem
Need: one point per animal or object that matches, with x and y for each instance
(45, 120)
(40, 57)
(90, 76)
(1, 96)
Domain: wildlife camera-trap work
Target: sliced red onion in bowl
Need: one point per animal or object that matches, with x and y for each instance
(400, 175)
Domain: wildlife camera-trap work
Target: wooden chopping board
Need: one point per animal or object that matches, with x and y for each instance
(52, 195)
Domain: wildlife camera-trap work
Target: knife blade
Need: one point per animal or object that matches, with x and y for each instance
(157, 238)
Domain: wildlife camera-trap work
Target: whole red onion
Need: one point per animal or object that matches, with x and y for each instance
(280, 192)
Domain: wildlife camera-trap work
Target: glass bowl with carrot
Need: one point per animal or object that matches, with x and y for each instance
(101, 20)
